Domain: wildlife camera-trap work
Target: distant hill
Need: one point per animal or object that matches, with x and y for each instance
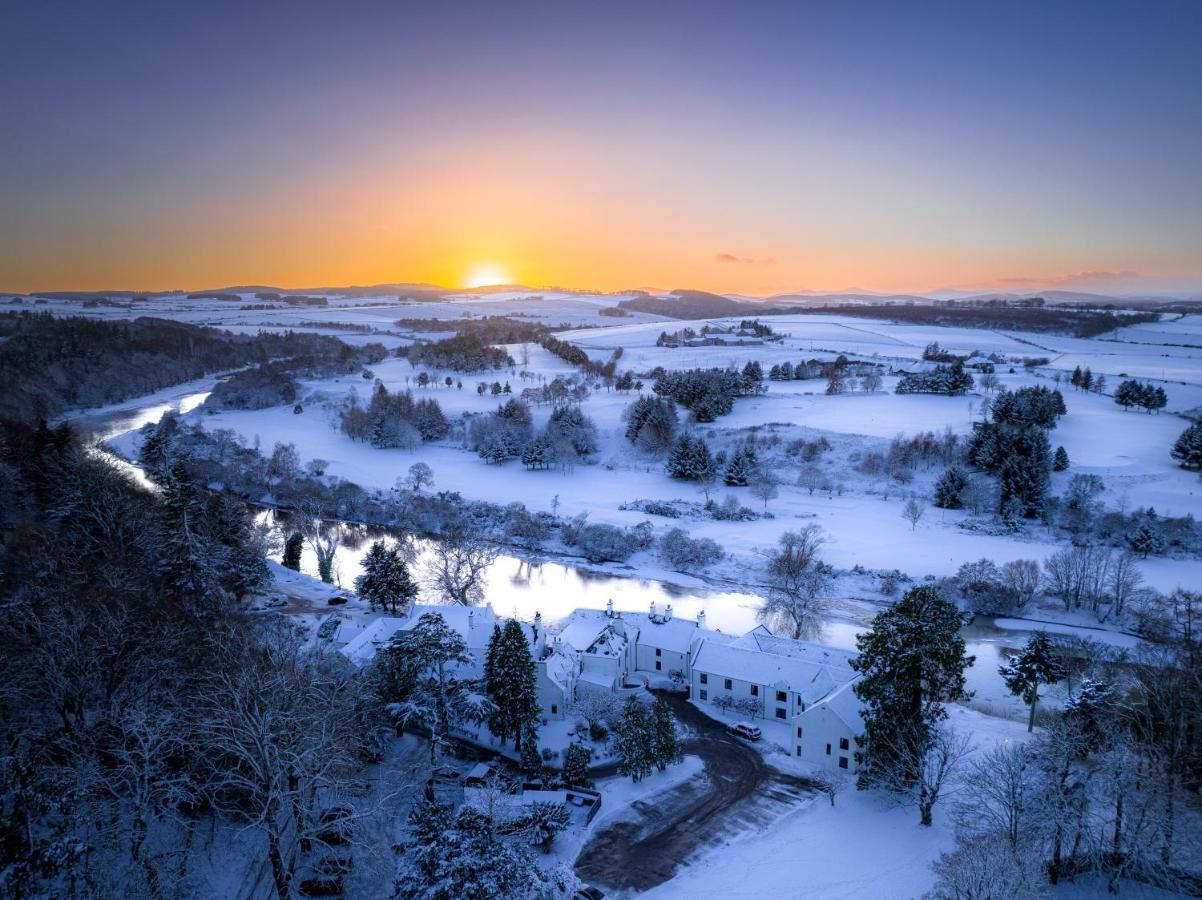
(687, 304)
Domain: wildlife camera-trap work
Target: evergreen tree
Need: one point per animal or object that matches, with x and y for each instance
(774, 373)
(1157, 399)
(705, 467)
(531, 761)
(753, 371)
(1187, 450)
(634, 741)
(1146, 539)
(538, 453)
(786, 371)
(1086, 380)
(665, 742)
(682, 458)
(1076, 377)
(185, 562)
(386, 581)
(513, 685)
(292, 551)
(949, 487)
(1060, 460)
(1024, 471)
(576, 760)
(1128, 394)
(1089, 708)
(741, 467)
(1036, 665)
(912, 662)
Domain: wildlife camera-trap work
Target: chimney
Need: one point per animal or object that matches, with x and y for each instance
(471, 619)
(538, 623)
(668, 613)
(653, 609)
(609, 608)
(701, 619)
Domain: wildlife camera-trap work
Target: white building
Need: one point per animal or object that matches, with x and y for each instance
(806, 685)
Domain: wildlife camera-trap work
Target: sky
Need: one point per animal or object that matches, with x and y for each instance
(753, 148)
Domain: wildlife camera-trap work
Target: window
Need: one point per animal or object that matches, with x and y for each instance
(728, 684)
(799, 733)
(828, 749)
(658, 652)
(659, 666)
(554, 709)
(704, 695)
(780, 712)
(755, 690)
(842, 762)
(842, 743)
(781, 696)
(705, 679)
(799, 750)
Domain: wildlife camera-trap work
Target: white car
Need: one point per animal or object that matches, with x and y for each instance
(745, 730)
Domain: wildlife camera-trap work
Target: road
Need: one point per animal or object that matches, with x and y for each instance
(738, 791)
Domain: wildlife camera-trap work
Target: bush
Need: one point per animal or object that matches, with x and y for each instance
(606, 543)
(681, 551)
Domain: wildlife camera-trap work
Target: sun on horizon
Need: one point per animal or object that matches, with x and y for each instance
(486, 275)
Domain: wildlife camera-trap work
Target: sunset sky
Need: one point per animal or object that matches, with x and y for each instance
(736, 147)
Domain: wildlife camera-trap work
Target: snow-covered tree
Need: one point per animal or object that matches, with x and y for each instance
(741, 468)
(1187, 449)
(1036, 665)
(576, 761)
(797, 581)
(292, 551)
(912, 662)
(386, 581)
(459, 564)
(510, 682)
(665, 741)
(531, 761)
(635, 741)
(949, 488)
(1060, 460)
(420, 476)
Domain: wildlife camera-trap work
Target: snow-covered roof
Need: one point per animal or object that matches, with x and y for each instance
(559, 669)
(581, 629)
(474, 624)
(809, 670)
(604, 679)
(673, 634)
(844, 703)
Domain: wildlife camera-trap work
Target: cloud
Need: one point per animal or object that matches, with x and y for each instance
(745, 260)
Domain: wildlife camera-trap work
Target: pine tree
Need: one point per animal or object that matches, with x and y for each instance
(634, 741)
(786, 371)
(741, 467)
(292, 551)
(184, 559)
(513, 686)
(1036, 665)
(1128, 394)
(949, 487)
(1086, 380)
(912, 662)
(682, 458)
(1089, 708)
(753, 371)
(1146, 539)
(1155, 399)
(1076, 377)
(531, 761)
(576, 760)
(386, 581)
(1187, 450)
(665, 742)
(774, 373)
(705, 467)
(1060, 460)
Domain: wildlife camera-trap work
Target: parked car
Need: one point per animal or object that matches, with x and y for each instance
(745, 730)
(337, 601)
(589, 893)
(321, 887)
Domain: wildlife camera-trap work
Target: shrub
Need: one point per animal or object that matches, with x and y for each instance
(681, 551)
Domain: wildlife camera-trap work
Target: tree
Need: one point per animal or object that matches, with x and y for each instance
(510, 682)
(292, 551)
(665, 742)
(459, 565)
(1060, 460)
(576, 761)
(651, 423)
(796, 580)
(1020, 578)
(386, 581)
(999, 799)
(950, 488)
(741, 468)
(1187, 450)
(634, 741)
(911, 661)
(324, 539)
(1035, 666)
(912, 512)
(420, 476)
(531, 762)
(1146, 539)
(764, 486)
(988, 869)
(420, 679)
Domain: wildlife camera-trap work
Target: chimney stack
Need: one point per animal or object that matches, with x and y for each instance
(652, 609)
(538, 623)
(668, 613)
(609, 608)
(701, 619)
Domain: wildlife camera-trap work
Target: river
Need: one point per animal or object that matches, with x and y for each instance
(521, 587)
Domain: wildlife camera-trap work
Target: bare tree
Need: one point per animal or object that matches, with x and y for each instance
(323, 538)
(1020, 577)
(925, 768)
(420, 475)
(763, 486)
(458, 568)
(1123, 580)
(987, 869)
(796, 581)
(997, 796)
(829, 784)
(913, 512)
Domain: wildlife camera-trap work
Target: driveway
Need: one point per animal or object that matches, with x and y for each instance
(737, 792)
